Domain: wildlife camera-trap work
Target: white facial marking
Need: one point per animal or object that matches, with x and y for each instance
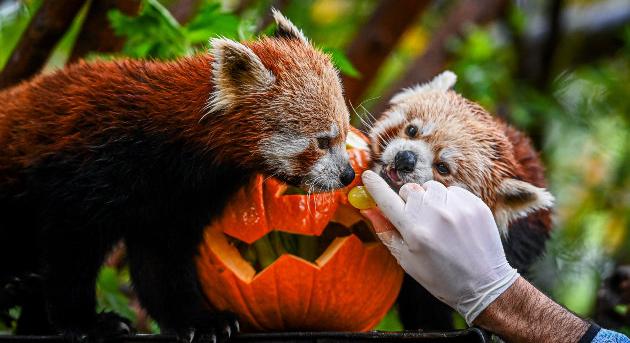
(332, 133)
(391, 119)
(281, 148)
(428, 128)
(450, 156)
(334, 130)
(326, 172)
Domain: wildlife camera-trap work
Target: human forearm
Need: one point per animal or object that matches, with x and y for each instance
(524, 314)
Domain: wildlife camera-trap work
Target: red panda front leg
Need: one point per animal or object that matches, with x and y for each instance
(72, 265)
(164, 276)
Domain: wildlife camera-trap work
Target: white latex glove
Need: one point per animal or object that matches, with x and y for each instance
(446, 239)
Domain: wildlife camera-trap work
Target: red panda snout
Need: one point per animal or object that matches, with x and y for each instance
(404, 161)
(332, 170)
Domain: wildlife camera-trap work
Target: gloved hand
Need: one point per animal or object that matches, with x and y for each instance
(446, 239)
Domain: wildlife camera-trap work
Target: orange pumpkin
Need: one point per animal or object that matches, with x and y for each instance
(347, 285)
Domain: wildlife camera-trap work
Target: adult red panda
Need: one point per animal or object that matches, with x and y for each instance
(150, 152)
(432, 133)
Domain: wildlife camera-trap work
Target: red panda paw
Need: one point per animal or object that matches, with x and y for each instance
(218, 328)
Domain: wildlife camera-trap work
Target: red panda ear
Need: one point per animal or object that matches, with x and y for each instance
(516, 199)
(443, 82)
(286, 29)
(236, 71)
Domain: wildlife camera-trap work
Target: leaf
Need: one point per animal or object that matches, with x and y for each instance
(391, 322)
(209, 22)
(152, 33)
(341, 61)
(621, 309)
(109, 294)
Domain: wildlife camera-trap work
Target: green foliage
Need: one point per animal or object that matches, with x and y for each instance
(109, 292)
(113, 292)
(483, 68)
(342, 62)
(621, 309)
(210, 21)
(153, 33)
(391, 322)
(13, 315)
(12, 24)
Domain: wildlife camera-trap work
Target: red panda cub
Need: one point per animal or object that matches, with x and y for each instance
(149, 152)
(430, 132)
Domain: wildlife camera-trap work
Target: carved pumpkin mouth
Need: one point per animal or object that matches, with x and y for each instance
(265, 251)
(249, 259)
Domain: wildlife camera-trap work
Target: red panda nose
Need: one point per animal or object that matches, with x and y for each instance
(347, 175)
(405, 161)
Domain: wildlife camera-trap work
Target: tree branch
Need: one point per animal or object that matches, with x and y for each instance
(44, 30)
(433, 61)
(96, 34)
(184, 10)
(551, 43)
(376, 39)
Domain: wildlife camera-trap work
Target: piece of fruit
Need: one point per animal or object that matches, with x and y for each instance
(360, 198)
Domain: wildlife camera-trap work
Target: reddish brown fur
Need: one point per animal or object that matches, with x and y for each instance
(47, 114)
(150, 152)
(530, 168)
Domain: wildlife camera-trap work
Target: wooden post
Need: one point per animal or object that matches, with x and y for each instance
(376, 39)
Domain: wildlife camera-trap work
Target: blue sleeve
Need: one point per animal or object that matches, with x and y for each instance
(607, 336)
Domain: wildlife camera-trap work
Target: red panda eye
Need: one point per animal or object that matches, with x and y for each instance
(442, 168)
(323, 143)
(411, 131)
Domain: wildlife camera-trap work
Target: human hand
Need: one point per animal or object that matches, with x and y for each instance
(446, 239)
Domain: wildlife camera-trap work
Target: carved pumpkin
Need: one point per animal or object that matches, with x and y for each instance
(286, 262)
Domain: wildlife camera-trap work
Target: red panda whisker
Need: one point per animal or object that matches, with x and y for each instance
(367, 119)
(370, 115)
(368, 99)
(361, 118)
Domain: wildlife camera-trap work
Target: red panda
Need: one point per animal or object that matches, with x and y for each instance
(432, 133)
(150, 152)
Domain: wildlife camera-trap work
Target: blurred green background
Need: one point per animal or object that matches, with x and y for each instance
(559, 70)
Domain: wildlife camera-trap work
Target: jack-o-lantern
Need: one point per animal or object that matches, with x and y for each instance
(287, 261)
